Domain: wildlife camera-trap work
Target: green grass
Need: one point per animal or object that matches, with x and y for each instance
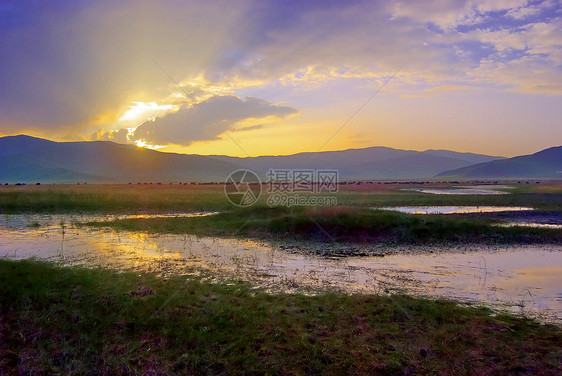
(56, 320)
(342, 224)
(111, 198)
(542, 197)
(177, 198)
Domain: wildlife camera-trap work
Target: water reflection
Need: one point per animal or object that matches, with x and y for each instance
(454, 209)
(525, 279)
(466, 190)
(530, 224)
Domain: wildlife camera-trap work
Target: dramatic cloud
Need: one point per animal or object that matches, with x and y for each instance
(207, 120)
(82, 64)
(523, 12)
(448, 14)
(100, 69)
(120, 136)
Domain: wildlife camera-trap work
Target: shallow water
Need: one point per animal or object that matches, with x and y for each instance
(530, 224)
(523, 279)
(454, 209)
(466, 190)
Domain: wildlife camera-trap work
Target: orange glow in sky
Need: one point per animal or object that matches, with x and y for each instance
(283, 77)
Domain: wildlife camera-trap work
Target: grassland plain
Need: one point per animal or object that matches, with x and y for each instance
(93, 321)
(60, 320)
(352, 221)
(111, 198)
(163, 198)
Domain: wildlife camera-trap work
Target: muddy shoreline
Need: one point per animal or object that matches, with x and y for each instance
(520, 279)
(338, 250)
(534, 216)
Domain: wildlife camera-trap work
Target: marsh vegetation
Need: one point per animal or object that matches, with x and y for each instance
(167, 314)
(84, 321)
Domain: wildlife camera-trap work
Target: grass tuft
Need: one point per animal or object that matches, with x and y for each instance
(343, 224)
(57, 320)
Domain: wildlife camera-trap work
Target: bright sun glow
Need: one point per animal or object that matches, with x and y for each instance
(144, 144)
(143, 111)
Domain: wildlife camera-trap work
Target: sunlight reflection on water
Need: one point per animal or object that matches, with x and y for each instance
(453, 209)
(522, 279)
(466, 190)
(529, 224)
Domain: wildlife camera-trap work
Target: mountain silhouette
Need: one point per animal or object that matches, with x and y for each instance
(545, 164)
(29, 159)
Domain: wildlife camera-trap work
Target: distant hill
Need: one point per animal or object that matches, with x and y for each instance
(29, 159)
(545, 164)
(369, 163)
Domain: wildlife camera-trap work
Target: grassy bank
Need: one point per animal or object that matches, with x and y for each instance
(78, 321)
(342, 224)
(542, 196)
(156, 198)
(112, 198)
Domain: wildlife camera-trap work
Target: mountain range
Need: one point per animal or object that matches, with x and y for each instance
(29, 159)
(368, 163)
(545, 164)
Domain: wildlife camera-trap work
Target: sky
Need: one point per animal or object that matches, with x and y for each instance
(256, 77)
